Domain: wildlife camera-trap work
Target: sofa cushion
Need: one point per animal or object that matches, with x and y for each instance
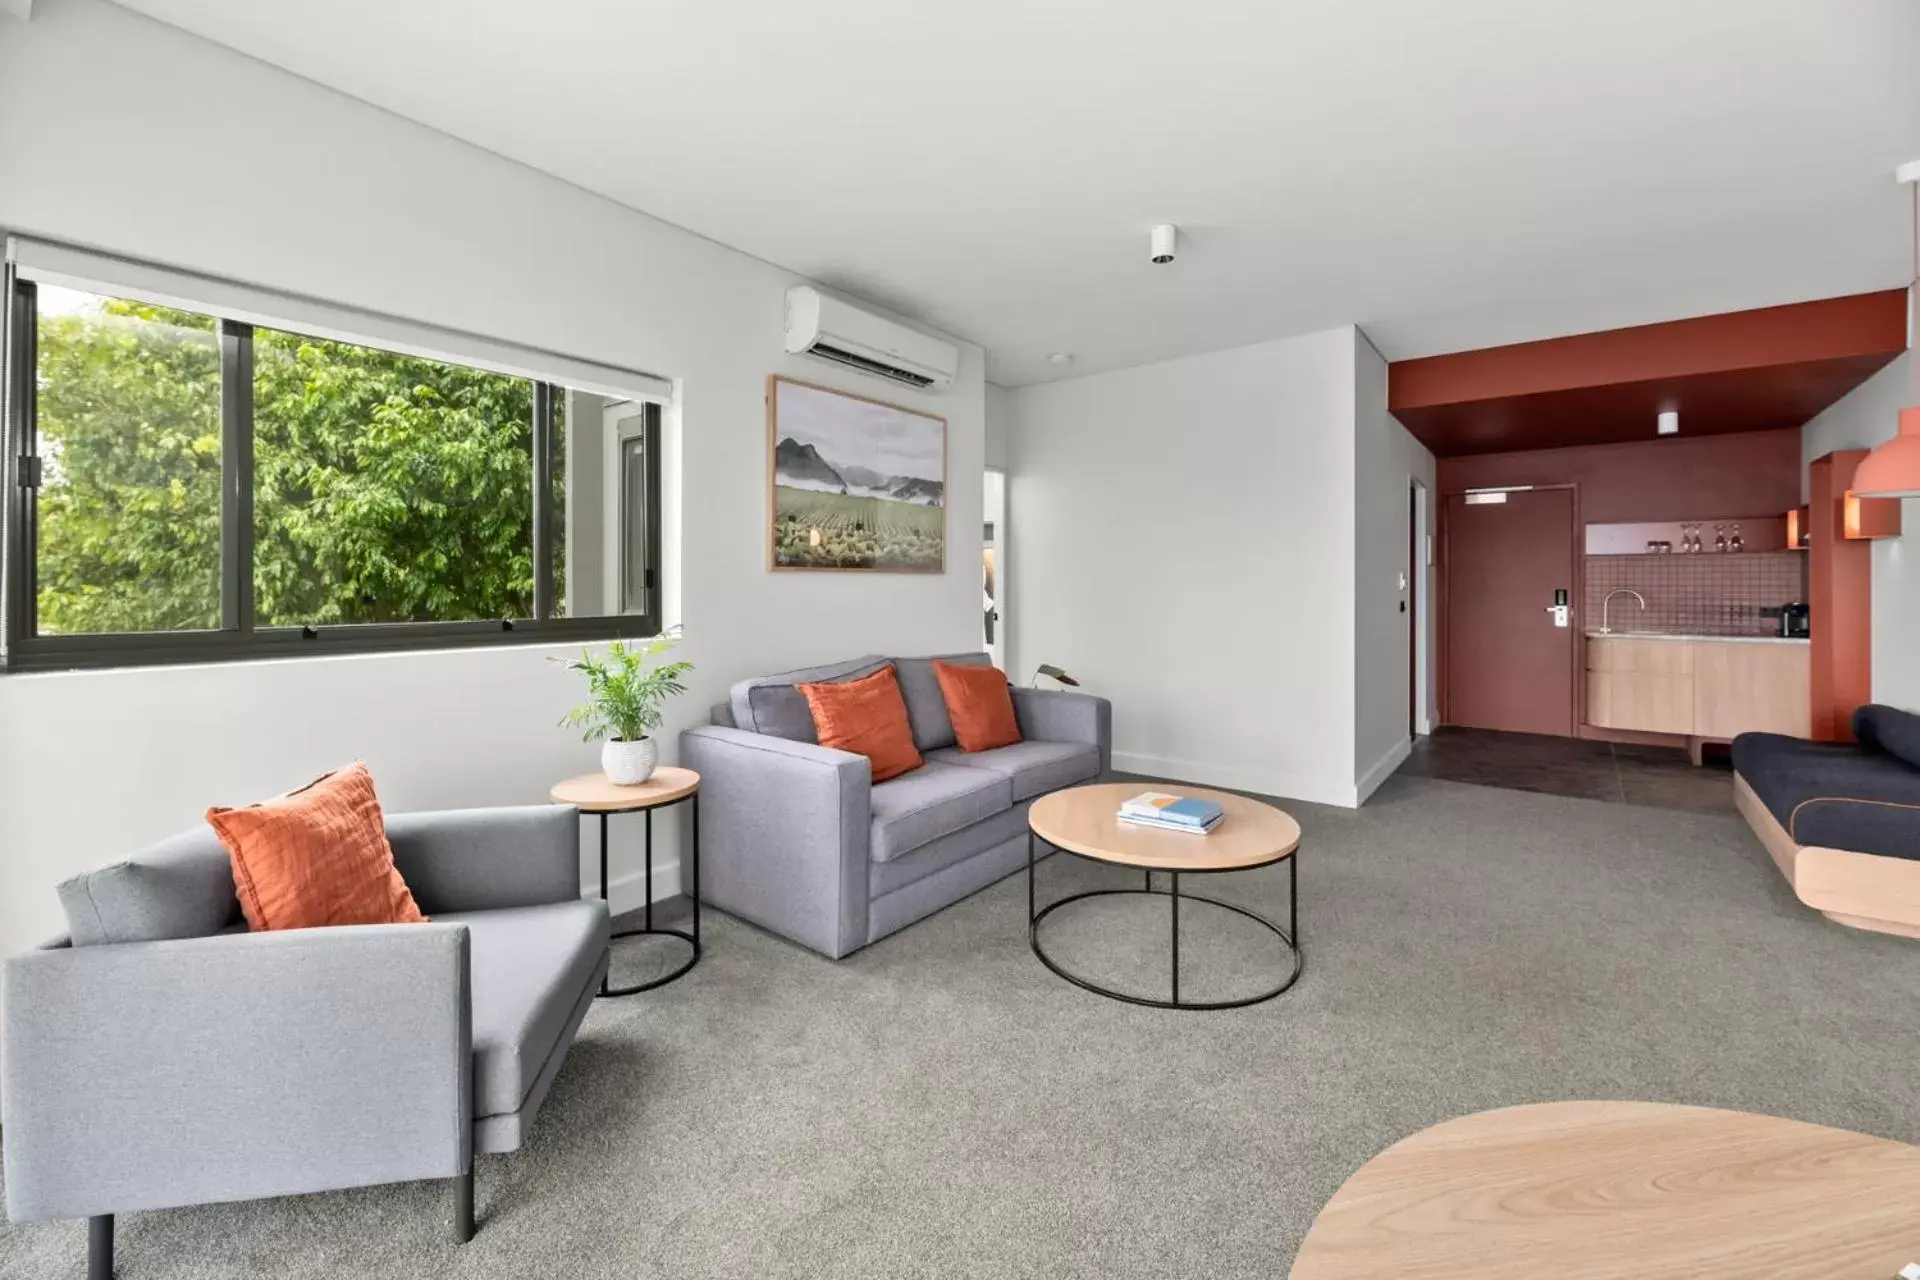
(1832, 795)
(774, 705)
(950, 850)
(866, 717)
(529, 967)
(1890, 731)
(1032, 767)
(980, 704)
(181, 887)
(316, 856)
(926, 705)
(932, 801)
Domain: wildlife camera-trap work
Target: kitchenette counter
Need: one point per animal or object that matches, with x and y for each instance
(1705, 688)
(1696, 638)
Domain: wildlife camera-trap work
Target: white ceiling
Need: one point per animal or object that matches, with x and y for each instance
(1448, 175)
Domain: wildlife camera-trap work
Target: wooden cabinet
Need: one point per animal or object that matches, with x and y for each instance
(1697, 688)
(1640, 684)
(1746, 688)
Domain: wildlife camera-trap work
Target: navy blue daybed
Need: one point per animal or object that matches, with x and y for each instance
(1841, 821)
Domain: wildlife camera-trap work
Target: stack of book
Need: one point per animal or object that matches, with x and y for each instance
(1171, 813)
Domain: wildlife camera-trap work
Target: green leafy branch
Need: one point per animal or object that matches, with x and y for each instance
(625, 691)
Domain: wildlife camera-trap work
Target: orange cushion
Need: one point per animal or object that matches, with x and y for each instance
(316, 856)
(980, 705)
(867, 717)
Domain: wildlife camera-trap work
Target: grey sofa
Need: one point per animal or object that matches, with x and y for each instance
(796, 837)
(161, 1055)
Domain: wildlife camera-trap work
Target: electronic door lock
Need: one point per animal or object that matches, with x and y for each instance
(1560, 609)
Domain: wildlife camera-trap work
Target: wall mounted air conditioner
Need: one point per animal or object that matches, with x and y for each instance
(841, 332)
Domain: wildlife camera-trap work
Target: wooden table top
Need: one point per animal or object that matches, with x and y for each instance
(1083, 820)
(1622, 1191)
(593, 793)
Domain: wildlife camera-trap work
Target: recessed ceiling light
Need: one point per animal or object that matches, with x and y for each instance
(1669, 422)
(1059, 357)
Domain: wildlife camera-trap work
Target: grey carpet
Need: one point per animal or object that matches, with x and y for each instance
(940, 1105)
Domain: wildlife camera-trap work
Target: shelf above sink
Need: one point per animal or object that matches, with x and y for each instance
(1757, 534)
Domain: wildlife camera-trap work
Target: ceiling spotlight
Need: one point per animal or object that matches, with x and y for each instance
(1669, 422)
(1059, 357)
(1162, 243)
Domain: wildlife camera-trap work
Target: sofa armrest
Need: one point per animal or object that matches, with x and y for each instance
(784, 834)
(159, 1074)
(1052, 715)
(488, 859)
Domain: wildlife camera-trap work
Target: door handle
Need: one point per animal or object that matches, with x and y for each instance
(1560, 609)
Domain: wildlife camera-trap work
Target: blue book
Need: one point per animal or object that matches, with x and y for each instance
(1136, 820)
(1159, 807)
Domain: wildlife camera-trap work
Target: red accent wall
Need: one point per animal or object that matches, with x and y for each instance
(1672, 479)
(1679, 478)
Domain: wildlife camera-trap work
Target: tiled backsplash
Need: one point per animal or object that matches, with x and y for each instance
(1709, 593)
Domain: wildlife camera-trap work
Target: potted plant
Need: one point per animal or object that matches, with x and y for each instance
(625, 690)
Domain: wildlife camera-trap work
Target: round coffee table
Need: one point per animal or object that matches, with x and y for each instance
(597, 794)
(1609, 1190)
(1084, 821)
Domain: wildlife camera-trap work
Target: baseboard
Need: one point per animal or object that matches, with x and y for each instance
(624, 893)
(1208, 773)
(1369, 782)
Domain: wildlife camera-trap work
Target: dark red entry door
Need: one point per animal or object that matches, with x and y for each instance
(1508, 666)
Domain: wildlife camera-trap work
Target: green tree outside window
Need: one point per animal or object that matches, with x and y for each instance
(387, 488)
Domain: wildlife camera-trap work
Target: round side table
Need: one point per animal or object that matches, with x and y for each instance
(593, 793)
(1084, 821)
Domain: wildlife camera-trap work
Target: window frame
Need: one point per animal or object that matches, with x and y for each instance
(23, 649)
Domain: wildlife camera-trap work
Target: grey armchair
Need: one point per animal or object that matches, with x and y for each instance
(797, 838)
(161, 1056)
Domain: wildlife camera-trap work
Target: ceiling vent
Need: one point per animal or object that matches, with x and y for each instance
(829, 329)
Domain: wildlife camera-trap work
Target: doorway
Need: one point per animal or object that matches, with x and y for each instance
(993, 569)
(1510, 656)
(1419, 607)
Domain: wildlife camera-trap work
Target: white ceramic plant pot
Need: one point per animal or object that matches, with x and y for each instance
(628, 763)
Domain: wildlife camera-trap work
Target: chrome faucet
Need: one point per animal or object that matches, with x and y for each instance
(1618, 591)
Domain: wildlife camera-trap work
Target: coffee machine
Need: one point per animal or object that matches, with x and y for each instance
(1794, 622)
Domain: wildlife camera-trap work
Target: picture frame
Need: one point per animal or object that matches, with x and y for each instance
(854, 484)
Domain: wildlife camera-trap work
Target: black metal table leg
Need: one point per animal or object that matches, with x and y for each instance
(1176, 937)
(1293, 897)
(691, 939)
(605, 988)
(1029, 880)
(1289, 937)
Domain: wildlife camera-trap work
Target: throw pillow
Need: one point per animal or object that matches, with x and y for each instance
(1889, 731)
(980, 704)
(316, 856)
(867, 717)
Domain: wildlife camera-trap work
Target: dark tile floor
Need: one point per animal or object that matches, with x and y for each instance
(1656, 777)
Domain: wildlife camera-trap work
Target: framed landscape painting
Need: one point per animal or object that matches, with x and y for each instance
(854, 484)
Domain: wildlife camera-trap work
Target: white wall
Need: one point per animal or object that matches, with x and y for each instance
(1865, 417)
(169, 148)
(1183, 539)
(999, 413)
(1387, 459)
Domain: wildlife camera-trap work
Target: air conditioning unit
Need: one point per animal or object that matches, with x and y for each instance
(841, 332)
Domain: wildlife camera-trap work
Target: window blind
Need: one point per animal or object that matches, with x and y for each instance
(47, 262)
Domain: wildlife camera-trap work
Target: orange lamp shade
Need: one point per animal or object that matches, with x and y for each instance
(1893, 469)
